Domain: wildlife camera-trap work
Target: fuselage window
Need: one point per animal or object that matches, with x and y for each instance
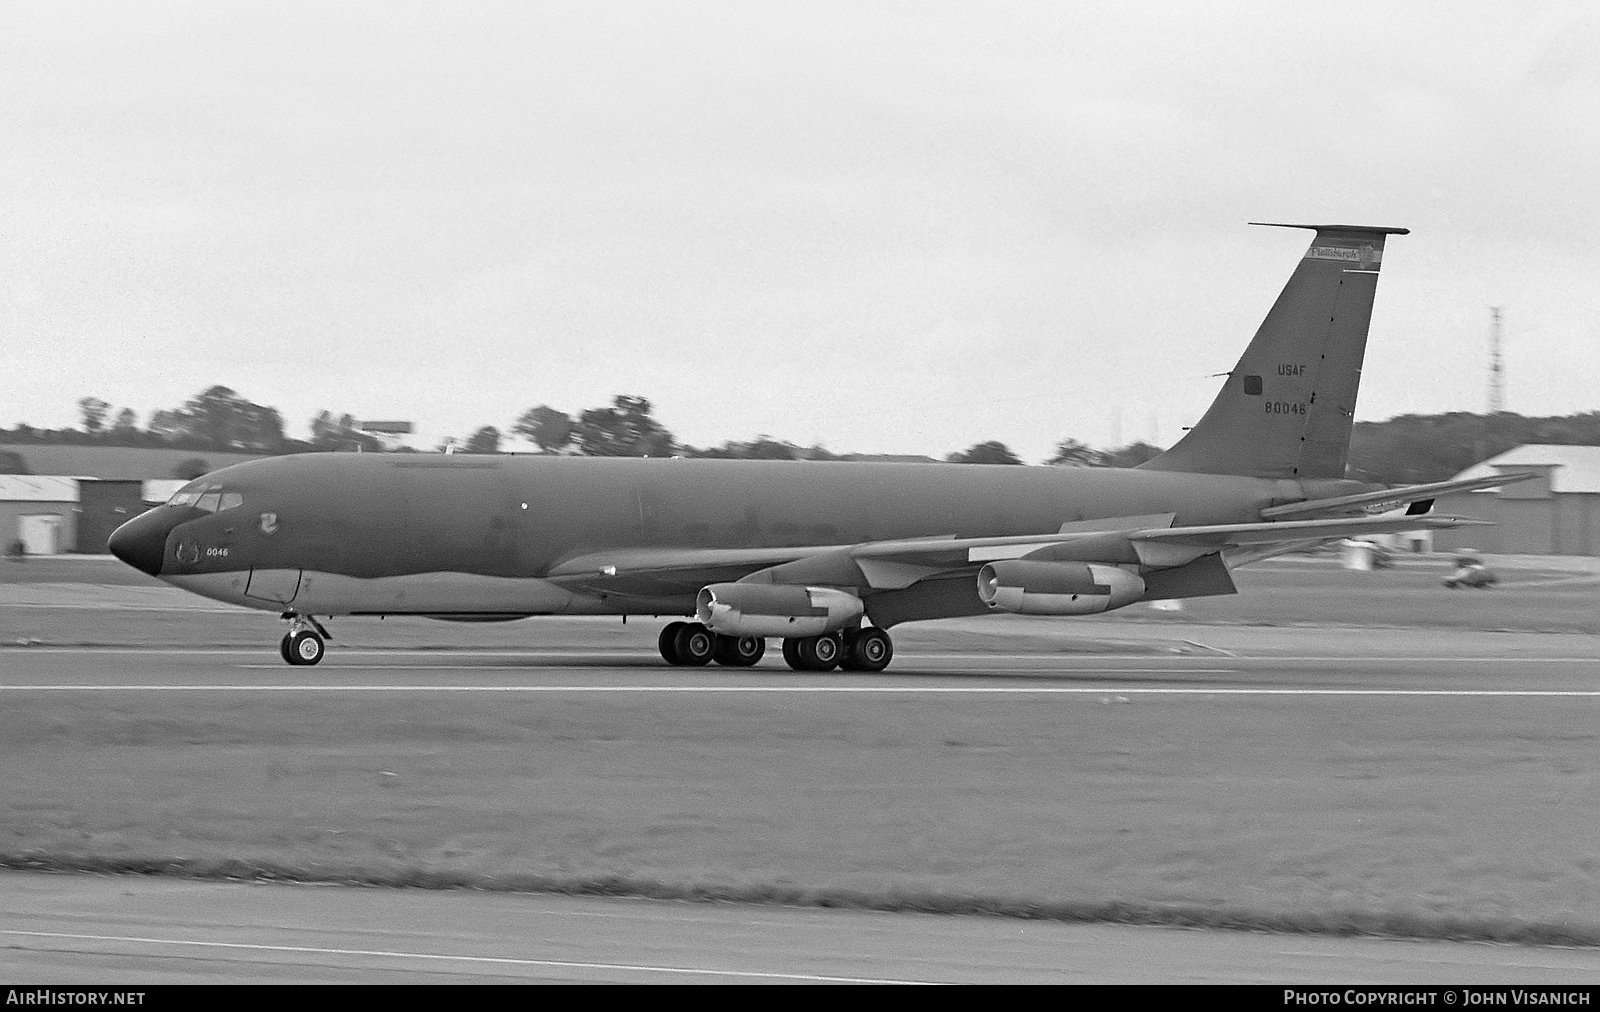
(231, 500)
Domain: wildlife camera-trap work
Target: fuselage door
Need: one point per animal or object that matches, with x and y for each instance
(276, 585)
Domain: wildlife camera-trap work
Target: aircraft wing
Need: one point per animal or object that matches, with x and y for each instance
(1390, 498)
(875, 564)
(880, 565)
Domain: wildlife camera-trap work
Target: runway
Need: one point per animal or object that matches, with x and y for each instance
(1238, 660)
(698, 744)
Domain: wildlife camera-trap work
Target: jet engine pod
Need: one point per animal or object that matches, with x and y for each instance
(767, 609)
(1023, 587)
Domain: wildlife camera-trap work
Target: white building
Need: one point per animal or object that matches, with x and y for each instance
(1557, 513)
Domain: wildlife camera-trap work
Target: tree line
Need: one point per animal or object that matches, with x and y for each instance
(1406, 449)
(214, 419)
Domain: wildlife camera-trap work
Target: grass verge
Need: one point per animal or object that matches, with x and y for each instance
(1413, 925)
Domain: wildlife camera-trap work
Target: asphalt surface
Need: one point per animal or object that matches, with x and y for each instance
(1197, 658)
(63, 928)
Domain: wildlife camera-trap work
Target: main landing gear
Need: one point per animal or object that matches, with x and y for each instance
(303, 643)
(692, 644)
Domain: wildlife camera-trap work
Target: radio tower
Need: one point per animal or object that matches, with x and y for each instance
(1497, 368)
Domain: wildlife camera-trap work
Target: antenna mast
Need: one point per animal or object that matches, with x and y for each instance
(1497, 369)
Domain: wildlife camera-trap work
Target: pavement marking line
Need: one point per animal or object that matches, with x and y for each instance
(1206, 646)
(987, 669)
(336, 653)
(444, 957)
(972, 690)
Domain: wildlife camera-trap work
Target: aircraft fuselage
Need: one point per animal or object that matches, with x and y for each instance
(487, 536)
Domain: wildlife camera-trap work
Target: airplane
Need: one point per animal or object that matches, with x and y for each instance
(827, 557)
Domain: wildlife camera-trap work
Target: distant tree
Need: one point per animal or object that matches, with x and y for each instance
(485, 440)
(330, 433)
(93, 411)
(1131, 455)
(1421, 448)
(546, 427)
(127, 424)
(760, 448)
(1074, 454)
(220, 418)
(191, 469)
(991, 452)
(625, 429)
(167, 426)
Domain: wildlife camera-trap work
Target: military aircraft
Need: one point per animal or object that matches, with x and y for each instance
(828, 557)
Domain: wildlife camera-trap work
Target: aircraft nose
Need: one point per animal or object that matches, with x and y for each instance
(142, 541)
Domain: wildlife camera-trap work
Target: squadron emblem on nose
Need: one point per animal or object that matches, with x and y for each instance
(269, 523)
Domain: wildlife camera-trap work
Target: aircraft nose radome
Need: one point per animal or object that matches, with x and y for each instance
(140, 545)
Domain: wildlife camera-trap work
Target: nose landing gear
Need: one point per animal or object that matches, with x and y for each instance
(303, 643)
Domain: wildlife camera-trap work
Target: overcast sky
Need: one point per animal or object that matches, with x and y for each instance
(883, 227)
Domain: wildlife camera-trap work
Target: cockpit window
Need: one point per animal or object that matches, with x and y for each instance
(210, 498)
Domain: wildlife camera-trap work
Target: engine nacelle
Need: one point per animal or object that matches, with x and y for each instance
(769, 609)
(1024, 587)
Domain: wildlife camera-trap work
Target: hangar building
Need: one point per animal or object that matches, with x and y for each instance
(50, 514)
(73, 496)
(1557, 513)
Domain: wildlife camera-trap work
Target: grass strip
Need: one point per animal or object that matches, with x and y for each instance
(1344, 923)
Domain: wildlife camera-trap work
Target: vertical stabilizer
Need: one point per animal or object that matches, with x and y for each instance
(1286, 409)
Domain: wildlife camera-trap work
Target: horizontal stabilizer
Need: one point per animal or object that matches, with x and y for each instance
(1390, 498)
(1179, 545)
(1223, 535)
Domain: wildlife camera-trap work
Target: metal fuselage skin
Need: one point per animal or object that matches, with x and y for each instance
(485, 537)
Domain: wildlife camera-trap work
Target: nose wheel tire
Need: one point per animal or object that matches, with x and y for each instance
(738, 651)
(303, 648)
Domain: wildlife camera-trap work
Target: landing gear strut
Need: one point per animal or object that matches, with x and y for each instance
(303, 643)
